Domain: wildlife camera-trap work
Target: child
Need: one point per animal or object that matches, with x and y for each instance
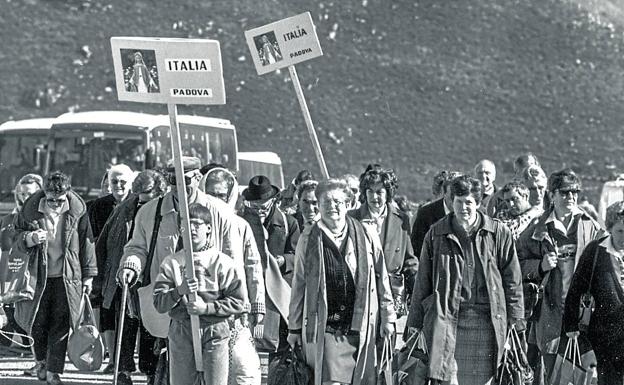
(219, 293)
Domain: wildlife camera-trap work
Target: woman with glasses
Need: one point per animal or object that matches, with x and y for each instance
(600, 272)
(341, 296)
(276, 235)
(549, 251)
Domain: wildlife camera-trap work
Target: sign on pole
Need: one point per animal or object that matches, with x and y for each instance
(168, 71)
(172, 71)
(283, 44)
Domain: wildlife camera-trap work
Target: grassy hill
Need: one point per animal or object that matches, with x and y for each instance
(415, 85)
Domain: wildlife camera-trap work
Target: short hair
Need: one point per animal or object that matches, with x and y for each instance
(56, 182)
(565, 177)
(220, 176)
(517, 186)
(483, 162)
(121, 169)
(523, 161)
(204, 169)
(149, 180)
(376, 175)
(466, 185)
(533, 173)
(615, 213)
(303, 175)
(331, 185)
(305, 186)
(31, 178)
(438, 182)
(449, 177)
(199, 211)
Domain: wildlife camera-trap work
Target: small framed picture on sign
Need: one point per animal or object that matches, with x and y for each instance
(140, 70)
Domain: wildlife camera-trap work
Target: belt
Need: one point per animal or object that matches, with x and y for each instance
(340, 331)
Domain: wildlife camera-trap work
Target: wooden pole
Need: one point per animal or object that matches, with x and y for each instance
(185, 226)
(308, 120)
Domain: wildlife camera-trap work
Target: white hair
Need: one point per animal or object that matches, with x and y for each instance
(121, 169)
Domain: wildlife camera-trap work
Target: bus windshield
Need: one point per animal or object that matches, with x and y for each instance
(20, 153)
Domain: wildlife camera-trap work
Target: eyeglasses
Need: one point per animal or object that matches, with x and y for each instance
(566, 192)
(222, 196)
(334, 202)
(120, 182)
(56, 201)
(259, 207)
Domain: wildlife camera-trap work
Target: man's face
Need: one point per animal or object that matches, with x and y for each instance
(333, 206)
(486, 173)
(465, 208)
(259, 208)
(565, 199)
(517, 202)
(376, 196)
(24, 191)
(354, 186)
(55, 201)
(200, 231)
(308, 205)
(120, 186)
(218, 189)
(537, 190)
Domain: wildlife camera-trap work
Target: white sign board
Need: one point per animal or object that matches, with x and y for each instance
(168, 71)
(283, 43)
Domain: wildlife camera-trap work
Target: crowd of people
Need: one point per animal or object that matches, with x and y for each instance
(323, 266)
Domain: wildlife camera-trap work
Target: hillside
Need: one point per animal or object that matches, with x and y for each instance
(415, 85)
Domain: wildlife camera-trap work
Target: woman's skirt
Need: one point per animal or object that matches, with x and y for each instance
(339, 357)
(476, 350)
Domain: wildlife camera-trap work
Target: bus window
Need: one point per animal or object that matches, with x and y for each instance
(19, 155)
(209, 144)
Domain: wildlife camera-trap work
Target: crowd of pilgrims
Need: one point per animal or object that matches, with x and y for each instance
(327, 267)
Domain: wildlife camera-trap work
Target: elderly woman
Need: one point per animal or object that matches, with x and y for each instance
(382, 215)
(600, 272)
(109, 248)
(340, 291)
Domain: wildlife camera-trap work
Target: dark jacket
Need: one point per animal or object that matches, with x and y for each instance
(532, 245)
(436, 298)
(426, 216)
(397, 248)
(79, 255)
(110, 246)
(99, 211)
(605, 330)
(7, 231)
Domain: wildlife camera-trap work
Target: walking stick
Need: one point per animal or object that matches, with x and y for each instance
(120, 325)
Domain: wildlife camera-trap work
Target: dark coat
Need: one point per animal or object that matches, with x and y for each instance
(435, 301)
(605, 330)
(426, 216)
(532, 245)
(99, 211)
(397, 247)
(110, 246)
(79, 255)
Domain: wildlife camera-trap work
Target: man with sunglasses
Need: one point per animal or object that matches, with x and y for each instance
(549, 251)
(276, 235)
(54, 228)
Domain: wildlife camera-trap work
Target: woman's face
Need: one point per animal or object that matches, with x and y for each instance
(617, 233)
(333, 206)
(376, 196)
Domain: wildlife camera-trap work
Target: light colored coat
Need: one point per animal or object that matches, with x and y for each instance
(376, 304)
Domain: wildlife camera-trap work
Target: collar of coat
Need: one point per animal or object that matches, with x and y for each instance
(363, 212)
(540, 232)
(30, 211)
(445, 225)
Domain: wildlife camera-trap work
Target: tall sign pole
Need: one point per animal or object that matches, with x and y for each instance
(172, 72)
(283, 44)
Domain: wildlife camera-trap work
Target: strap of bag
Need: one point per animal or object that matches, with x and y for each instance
(10, 335)
(147, 279)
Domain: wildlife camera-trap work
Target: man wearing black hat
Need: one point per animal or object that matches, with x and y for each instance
(276, 235)
(160, 218)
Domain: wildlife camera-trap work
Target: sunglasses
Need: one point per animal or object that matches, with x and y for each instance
(56, 201)
(118, 182)
(259, 207)
(571, 191)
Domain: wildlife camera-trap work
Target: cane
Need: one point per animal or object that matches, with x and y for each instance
(120, 325)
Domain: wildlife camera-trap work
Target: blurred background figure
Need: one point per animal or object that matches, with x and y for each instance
(354, 185)
(288, 197)
(307, 208)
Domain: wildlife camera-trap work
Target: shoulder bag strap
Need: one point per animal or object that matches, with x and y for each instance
(147, 279)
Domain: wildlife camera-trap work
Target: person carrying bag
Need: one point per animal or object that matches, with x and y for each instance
(85, 348)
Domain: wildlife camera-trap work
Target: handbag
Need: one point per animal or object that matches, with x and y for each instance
(413, 362)
(85, 348)
(384, 370)
(290, 369)
(514, 368)
(568, 369)
(18, 275)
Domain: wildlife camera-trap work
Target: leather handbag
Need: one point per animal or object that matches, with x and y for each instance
(85, 348)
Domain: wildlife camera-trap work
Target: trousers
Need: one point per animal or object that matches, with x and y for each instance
(244, 360)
